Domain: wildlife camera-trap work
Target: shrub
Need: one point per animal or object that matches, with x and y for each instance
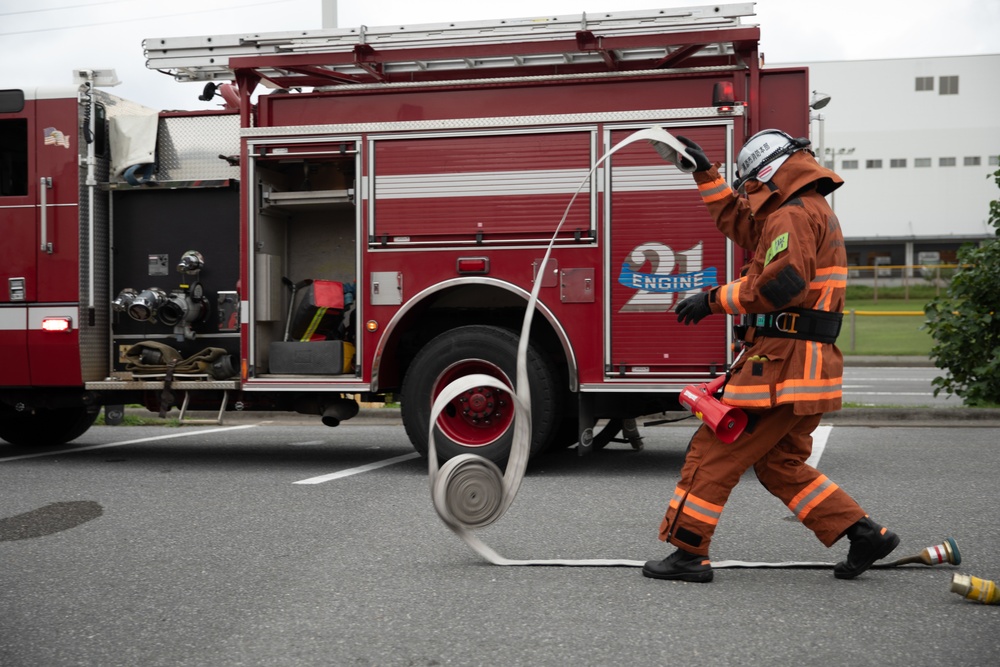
(965, 323)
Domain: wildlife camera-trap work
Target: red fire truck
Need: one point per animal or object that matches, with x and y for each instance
(366, 213)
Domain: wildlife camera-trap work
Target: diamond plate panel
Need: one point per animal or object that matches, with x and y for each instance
(188, 147)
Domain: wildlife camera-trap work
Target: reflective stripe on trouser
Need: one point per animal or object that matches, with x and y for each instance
(777, 448)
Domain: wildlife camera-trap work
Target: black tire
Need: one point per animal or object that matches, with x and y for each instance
(477, 349)
(55, 426)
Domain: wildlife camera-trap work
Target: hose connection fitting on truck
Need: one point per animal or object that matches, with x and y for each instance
(179, 309)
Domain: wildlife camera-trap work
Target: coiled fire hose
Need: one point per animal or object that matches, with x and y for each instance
(470, 491)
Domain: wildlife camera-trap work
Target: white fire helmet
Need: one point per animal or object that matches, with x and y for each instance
(764, 153)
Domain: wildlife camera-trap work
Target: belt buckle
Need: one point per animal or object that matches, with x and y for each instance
(786, 327)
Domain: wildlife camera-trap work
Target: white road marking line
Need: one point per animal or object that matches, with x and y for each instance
(126, 442)
(888, 379)
(819, 436)
(888, 393)
(358, 470)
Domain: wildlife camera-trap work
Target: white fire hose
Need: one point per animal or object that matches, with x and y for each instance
(469, 491)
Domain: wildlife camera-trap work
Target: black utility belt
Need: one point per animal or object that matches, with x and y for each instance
(800, 323)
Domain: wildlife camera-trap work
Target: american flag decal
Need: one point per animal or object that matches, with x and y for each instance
(54, 137)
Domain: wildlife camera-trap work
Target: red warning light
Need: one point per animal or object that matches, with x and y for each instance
(473, 265)
(723, 97)
(57, 324)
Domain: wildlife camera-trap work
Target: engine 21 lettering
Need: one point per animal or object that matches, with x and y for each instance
(655, 290)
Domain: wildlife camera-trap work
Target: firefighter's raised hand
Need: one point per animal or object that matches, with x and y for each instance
(701, 162)
(693, 309)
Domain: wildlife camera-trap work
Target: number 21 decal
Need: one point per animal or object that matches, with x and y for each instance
(654, 291)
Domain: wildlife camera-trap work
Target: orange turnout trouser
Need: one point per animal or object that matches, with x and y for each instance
(777, 444)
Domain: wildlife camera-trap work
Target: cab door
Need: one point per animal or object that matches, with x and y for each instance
(57, 195)
(54, 357)
(18, 232)
(39, 236)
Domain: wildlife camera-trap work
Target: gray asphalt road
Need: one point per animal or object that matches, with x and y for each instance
(197, 546)
(896, 386)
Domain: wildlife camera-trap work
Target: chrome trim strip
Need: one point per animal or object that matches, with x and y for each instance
(704, 113)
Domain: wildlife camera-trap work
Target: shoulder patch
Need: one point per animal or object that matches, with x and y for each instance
(778, 245)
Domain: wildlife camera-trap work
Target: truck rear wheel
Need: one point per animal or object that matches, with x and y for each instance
(481, 420)
(54, 426)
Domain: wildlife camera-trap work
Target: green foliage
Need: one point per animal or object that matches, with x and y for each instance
(965, 323)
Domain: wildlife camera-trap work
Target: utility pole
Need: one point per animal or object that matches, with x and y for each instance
(329, 13)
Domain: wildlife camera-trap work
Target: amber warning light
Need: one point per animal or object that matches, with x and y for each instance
(57, 324)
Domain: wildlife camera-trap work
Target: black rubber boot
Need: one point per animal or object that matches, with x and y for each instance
(680, 566)
(869, 543)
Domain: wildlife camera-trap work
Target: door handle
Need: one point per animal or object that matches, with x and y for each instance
(44, 185)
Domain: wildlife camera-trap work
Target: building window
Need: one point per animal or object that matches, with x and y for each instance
(925, 83)
(946, 162)
(922, 162)
(994, 160)
(849, 164)
(873, 164)
(897, 163)
(948, 85)
(972, 161)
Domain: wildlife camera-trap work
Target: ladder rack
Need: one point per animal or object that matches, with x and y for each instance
(712, 35)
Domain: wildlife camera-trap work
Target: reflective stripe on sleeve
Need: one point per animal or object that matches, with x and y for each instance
(714, 191)
(729, 297)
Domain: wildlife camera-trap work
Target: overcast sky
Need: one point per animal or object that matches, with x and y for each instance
(42, 41)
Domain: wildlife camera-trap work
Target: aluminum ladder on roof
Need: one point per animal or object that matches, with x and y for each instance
(206, 58)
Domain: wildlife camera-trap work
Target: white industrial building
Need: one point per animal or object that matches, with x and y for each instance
(916, 141)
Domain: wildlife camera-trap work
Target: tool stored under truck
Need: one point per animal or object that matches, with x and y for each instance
(364, 214)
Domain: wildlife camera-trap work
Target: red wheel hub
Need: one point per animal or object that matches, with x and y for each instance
(479, 416)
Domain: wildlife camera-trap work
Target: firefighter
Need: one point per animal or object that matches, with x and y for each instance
(790, 299)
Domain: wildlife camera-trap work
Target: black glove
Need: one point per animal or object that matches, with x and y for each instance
(693, 309)
(701, 162)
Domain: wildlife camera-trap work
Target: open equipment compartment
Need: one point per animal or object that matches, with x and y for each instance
(305, 229)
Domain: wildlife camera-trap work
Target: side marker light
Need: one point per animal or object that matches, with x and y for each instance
(57, 324)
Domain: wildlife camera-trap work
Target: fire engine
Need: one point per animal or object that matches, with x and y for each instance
(365, 214)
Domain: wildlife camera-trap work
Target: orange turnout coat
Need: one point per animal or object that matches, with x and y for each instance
(799, 261)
